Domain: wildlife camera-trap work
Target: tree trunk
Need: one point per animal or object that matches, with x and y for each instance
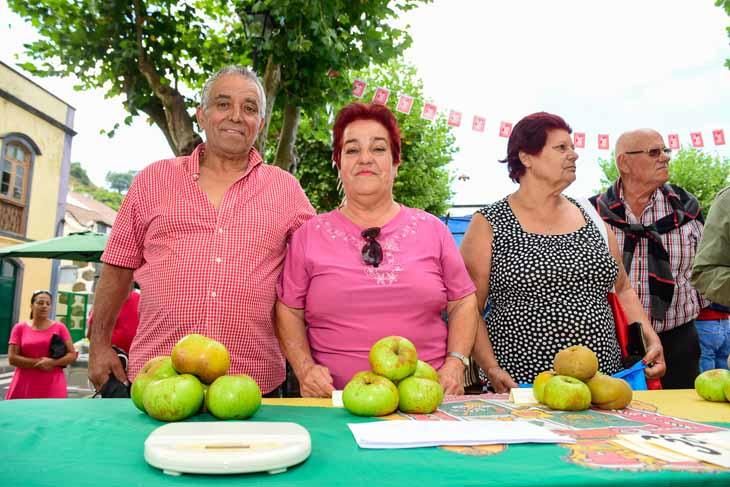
(178, 121)
(285, 154)
(271, 82)
(156, 112)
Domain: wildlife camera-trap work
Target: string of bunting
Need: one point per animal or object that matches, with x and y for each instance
(478, 124)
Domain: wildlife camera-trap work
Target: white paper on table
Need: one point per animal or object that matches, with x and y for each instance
(695, 448)
(639, 445)
(522, 396)
(415, 434)
(673, 447)
(718, 438)
(337, 399)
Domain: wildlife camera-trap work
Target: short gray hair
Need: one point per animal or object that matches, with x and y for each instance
(249, 74)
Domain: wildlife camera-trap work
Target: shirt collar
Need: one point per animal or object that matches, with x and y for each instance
(254, 160)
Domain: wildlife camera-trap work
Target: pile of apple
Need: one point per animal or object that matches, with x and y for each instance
(714, 385)
(575, 383)
(193, 379)
(393, 360)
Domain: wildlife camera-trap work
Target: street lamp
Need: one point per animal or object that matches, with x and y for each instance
(257, 27)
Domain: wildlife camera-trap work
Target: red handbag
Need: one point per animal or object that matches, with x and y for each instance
(622, 334)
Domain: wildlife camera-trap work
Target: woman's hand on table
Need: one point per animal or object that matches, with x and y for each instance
(501, 381)
(451, 377)
(316, 382)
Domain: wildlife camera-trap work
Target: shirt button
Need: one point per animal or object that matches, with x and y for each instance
(196, 177)
(213, 294)
(218, 260)
(220, 230)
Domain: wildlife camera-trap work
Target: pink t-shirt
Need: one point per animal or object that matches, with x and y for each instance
(349, 305)
(31, 383)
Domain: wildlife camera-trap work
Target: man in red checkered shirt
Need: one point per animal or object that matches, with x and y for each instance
(204, 235)
(658, 226)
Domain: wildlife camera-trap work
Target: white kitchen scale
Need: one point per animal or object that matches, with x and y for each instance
(227, 447)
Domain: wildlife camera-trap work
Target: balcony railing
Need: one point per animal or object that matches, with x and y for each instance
(12, 217)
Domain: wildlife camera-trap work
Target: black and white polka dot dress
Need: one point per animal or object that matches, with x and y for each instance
(548, 292)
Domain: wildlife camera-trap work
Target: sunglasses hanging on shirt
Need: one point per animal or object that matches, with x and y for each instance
(372, 252)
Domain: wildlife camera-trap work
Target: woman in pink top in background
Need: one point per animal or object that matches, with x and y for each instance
(37, 375)
(370, 269)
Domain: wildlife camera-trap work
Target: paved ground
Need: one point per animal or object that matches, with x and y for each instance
(76, 376)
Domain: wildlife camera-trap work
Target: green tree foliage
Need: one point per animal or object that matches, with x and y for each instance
(78, 174)
(81, 183)
(427, 147)
(120, 181)
(157, 52)
(700, 173)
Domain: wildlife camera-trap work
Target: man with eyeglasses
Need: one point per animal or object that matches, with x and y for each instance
(658, 225)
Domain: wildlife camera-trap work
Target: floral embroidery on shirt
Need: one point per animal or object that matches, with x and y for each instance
(387, 272)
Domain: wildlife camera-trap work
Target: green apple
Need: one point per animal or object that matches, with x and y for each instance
(174, 398)
(201, 356)
(538, 385)
(393, 357)
(233, 397)
(564, 393)
(155, 368)
(369, 394)
(726, 390)
(425, 371)
(419, 395)
(609, 392)
(710, 384)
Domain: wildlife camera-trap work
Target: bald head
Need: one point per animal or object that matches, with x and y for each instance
(633, 140)
(637, 167)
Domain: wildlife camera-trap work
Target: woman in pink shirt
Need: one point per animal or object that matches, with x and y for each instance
(37, 375)
(370, 269)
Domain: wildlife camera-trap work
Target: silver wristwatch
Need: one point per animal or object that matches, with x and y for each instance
(462, 358)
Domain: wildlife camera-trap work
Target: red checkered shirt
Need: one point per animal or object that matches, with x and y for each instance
(681, 245)
(208, 271)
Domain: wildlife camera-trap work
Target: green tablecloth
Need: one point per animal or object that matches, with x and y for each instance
(80, 442)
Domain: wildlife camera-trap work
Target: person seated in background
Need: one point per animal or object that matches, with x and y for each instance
(126, 325)
(372, 268)
(37, 375)
(711, 278)
(539, 259)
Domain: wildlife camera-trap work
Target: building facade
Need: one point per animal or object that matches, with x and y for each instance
(36, 130)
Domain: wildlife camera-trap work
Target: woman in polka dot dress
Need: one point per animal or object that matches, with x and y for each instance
(545, 268)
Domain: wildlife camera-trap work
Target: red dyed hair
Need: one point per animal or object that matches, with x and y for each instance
(529, 136)
(361, 111)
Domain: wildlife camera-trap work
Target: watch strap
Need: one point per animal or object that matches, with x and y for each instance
(462, 358)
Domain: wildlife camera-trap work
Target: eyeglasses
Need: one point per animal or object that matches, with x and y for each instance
(40, 291)
(563, 148)
(652, 152)
(372, 252)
